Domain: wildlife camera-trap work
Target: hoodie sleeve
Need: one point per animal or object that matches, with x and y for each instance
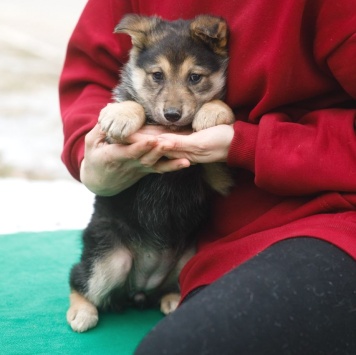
(317, 150)
(93, 60)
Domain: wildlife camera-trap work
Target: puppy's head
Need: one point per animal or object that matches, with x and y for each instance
(175, 67)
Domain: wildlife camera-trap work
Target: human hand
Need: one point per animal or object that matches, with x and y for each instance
(206, 146)
(108, 169)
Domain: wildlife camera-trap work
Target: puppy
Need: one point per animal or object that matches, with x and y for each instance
(138, 241)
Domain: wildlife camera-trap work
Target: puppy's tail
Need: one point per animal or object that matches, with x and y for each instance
(218, 177)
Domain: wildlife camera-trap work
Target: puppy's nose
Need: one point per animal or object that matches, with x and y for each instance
(172, 114)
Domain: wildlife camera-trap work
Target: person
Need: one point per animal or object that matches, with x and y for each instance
(275, 269)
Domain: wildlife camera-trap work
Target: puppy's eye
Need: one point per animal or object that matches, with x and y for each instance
(195, 78)
(157, 76)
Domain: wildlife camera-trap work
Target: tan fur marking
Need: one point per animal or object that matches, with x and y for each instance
(82, 314)
(213, 31)
(139, 28)
(218, 177)
(166, 67)
(187, 67)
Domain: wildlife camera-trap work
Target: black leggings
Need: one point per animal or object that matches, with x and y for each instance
(296, 297)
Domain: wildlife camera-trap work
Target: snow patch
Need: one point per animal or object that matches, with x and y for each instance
(27, 206)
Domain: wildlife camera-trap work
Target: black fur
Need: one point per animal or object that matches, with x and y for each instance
(158, 212)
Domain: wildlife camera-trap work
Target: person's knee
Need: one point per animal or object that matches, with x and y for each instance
(295, 297)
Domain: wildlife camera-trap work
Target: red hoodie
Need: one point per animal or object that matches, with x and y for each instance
(292, 84)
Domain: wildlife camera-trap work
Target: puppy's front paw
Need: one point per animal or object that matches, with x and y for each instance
(121, 119)
(82, 319)
(169, 303)
(211, 114)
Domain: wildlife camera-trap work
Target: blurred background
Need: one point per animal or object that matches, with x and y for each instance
(36, 191)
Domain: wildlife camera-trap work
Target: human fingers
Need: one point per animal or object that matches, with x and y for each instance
(208, 145)
(132, 151)
(172, 141)
(175, 146)
(158, 130)
(95, 136)
(151, 157)
(146, 149)
(153, 130)
(166, 166)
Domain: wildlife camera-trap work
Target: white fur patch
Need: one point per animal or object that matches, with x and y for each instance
(108, 272)
(138, 78)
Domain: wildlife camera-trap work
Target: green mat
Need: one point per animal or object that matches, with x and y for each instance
(34, 270)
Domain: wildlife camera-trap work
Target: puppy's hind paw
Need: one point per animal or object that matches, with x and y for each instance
(169, 303)
(82, 319)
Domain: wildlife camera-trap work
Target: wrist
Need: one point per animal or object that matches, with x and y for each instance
(105, 185)
(87, 179)
(228, 135)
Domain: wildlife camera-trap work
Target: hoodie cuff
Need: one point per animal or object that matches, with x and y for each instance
(74, 159)
(243, 146)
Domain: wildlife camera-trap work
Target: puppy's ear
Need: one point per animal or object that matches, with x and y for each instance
(138, 27)
(212, 30)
